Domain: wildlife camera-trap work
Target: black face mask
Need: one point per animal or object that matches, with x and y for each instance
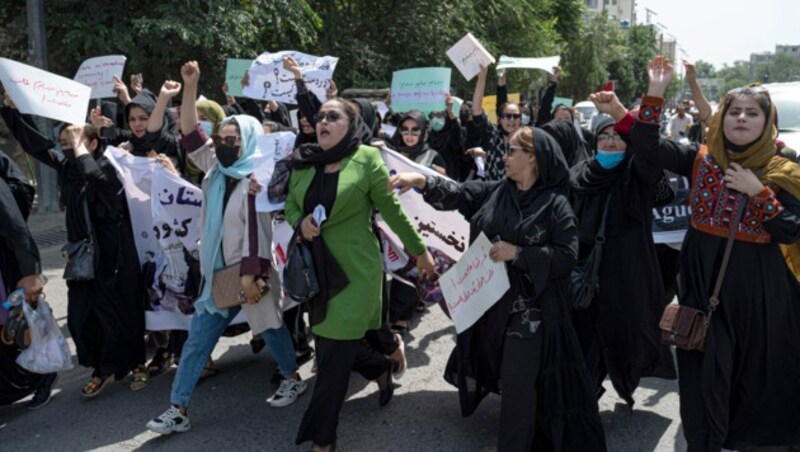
(69, 154)
(227, 155)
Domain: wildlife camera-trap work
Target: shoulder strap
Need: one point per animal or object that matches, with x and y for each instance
(86, 215)
(601, 231)
(713, 302)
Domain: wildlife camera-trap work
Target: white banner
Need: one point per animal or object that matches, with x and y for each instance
(545, 63)
(41, 93)
(98, 73)
(468, 55)
(270, 149)
(446, 231)
(474, 284)
(270, 81)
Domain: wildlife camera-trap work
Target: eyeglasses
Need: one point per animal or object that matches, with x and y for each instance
(230, 140)
(510, 150)
(609, 137)
(415, 132)
(755, 89)
(329, 116)
(510, 116)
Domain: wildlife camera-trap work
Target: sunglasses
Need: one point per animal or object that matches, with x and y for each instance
(510, 150)
(609, 137)
(228, 141)
(329, 116)
(510, 116)
(415, 132)
(756, 89)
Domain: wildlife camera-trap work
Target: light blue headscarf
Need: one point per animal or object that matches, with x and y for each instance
(211, 246)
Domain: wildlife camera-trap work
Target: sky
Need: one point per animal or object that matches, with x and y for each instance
(723, 31)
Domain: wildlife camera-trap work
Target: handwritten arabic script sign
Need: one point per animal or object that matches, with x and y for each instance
(446, 231)
(468, 54)
(474, 284)
(545, 63)
(423, 89)
(271, 148)
(41, 93)
(270, 81)
(234, 71)
(98, 73)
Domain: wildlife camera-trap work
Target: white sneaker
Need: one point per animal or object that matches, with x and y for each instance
(287, 392)
(170, 421)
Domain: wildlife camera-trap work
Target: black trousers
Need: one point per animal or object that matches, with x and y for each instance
(335, 360)
(519, 372)
(403, 301)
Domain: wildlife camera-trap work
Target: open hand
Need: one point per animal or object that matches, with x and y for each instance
(136, 83)
(122, 91)
(659, 71)
(98, 120)
(502, 252)
(691, 71)
(742, 180)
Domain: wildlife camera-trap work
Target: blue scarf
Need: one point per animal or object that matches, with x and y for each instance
(211, 245)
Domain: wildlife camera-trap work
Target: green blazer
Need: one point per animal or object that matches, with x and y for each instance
(363, 185)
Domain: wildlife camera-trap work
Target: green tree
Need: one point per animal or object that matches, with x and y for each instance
(734, 76)
(782, 67)
(705, 69)
(642, 48)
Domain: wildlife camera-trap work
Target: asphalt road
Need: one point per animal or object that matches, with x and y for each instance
(228, 411)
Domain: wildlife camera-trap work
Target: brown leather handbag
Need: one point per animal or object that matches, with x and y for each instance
(686, 327)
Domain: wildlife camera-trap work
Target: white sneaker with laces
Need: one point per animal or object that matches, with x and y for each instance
(170, 421)
(287, 392)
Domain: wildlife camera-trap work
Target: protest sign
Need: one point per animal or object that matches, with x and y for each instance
(423, 89)
(447, 231)
(234, 71)
(490, 105)
(457, 103)
(545, 63)
(670, 222)
(270, 81)
(41, 93)
(270, 149)
(389, 130)
(98, 73)
(474, 284)
(382, 109)
(468, 55)
(562, 100)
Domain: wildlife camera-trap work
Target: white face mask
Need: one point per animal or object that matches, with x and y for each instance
(526, 119)
(208, 126)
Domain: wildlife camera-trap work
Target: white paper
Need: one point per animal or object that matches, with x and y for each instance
(319, 214)
(41, 93)
(468, 55)
(447, 231)
(382, 109)
(474, 284)
(389, 130)
(481, 164)
(270, 81)
(457, 103)
(270, 148)
(98, 73)
(545, 63)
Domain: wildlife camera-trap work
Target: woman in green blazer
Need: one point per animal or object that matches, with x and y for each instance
(349, 181)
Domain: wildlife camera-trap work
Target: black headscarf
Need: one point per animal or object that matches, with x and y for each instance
(166, 141)
(367, 112)
(311, 154)
(572, 145)
(421, 147)
(303, 138)
(553, 180)
(280, 116)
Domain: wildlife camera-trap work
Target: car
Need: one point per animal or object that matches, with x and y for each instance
(786, 97)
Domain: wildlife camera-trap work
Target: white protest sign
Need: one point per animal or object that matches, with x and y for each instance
(468, 54)
(389, 130)
(545, 63)
(270, 148)
(446, 231)
(382, 109)
(270, 81)
(457, 103)
(98, 73)
(474, 284)
(41, 93)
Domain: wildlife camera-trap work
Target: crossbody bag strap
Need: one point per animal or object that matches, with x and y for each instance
(601, 231)
(86, 216)
(713, 302)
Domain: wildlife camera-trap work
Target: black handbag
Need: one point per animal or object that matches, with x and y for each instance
(80, 255)
(299, 277)
(585, 277)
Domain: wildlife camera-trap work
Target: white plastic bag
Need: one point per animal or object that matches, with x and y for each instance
(48, 351)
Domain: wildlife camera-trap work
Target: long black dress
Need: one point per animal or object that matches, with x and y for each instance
(105, 315)
(530, 323)
(744, 390)
(619, 331)
(19, 257)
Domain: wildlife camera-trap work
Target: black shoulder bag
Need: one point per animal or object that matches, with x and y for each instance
(585, 277)
(80, 255)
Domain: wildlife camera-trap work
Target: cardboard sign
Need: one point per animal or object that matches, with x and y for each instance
(468, 55)
(474, 284)
(545, 63)
(98, 73)
(271, 148)
(234, 71)
(41, 93)
(424, 89)
(270, 81)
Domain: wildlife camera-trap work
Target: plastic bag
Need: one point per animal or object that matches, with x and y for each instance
(48, 351)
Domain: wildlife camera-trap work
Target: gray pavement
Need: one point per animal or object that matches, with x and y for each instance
(228, 412)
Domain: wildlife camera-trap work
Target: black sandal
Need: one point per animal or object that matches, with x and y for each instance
(162, 361)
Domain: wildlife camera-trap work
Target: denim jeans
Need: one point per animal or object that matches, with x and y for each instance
(204, 334)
